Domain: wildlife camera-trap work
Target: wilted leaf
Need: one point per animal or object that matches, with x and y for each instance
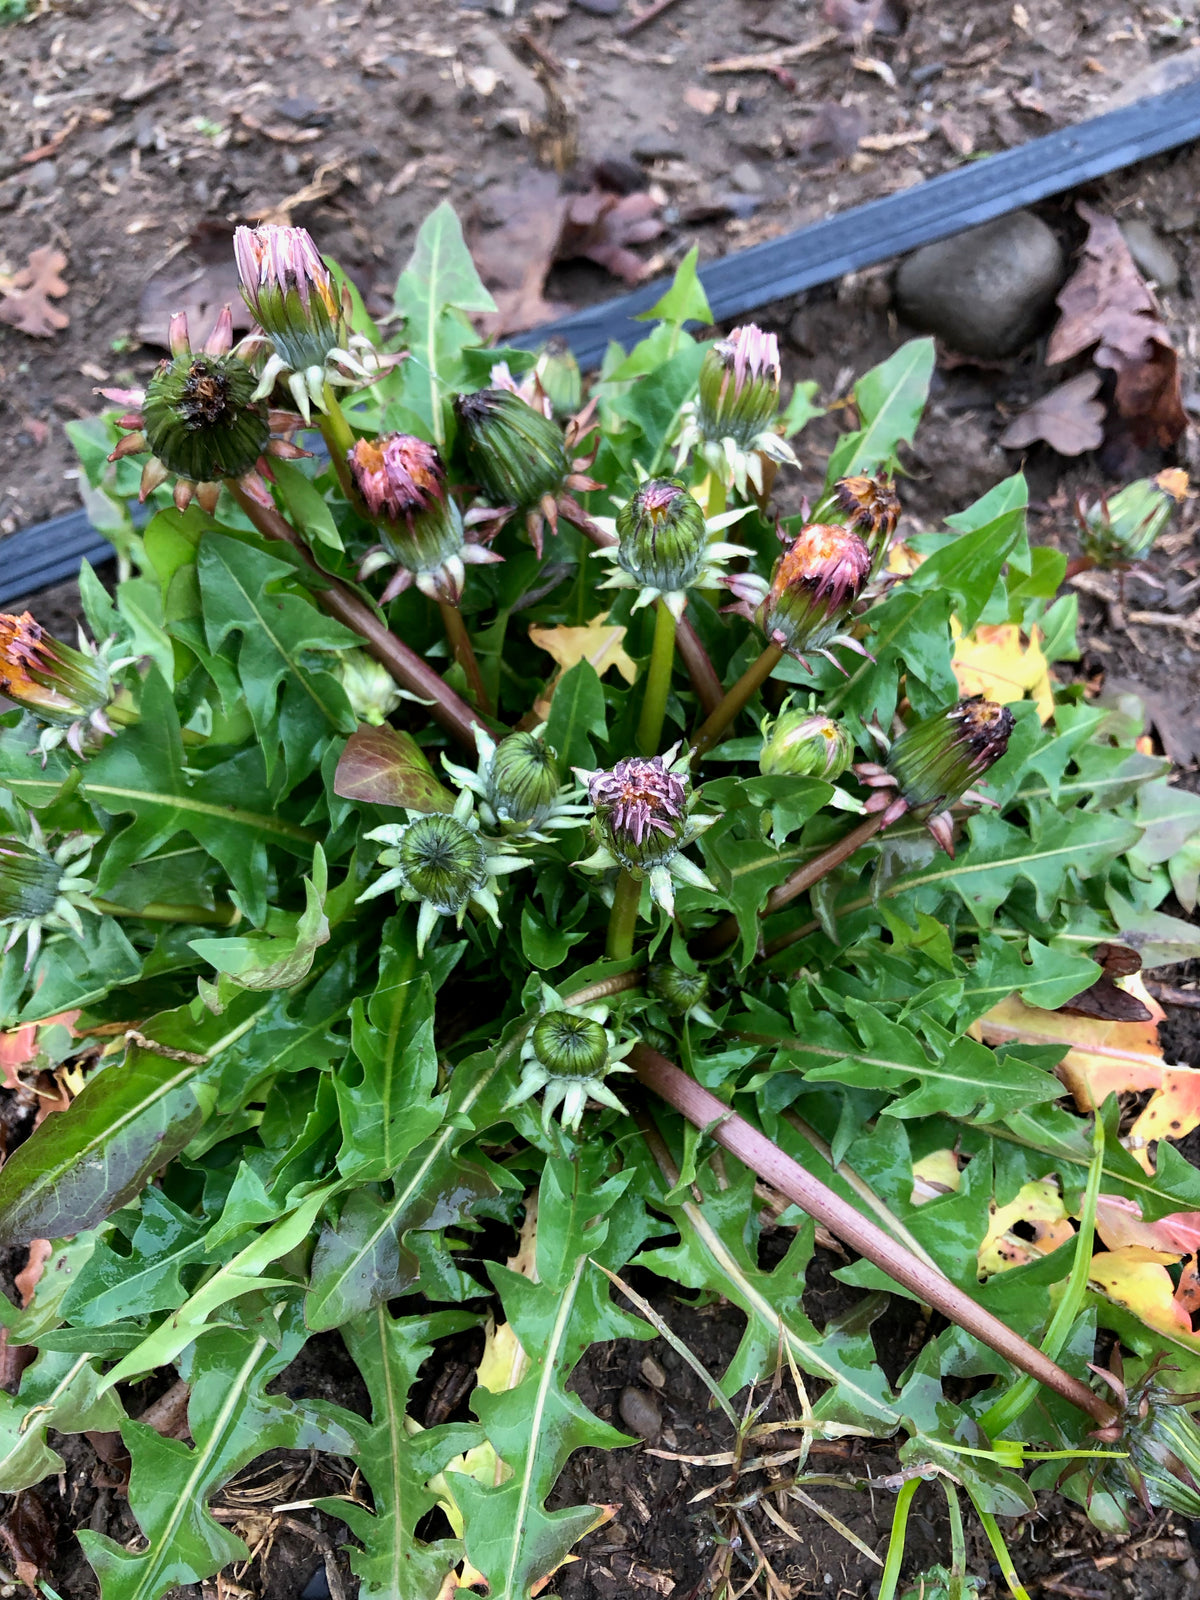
(934, 1175)
(1107, 304)
(992, 661)
(1138, 1279)
(199, 282)
(514, 256)
(1069, 419)
(1044, 1226)
(602, 646)
(30, 1538)
(1119, 1222)
(1173, 1112)
(600, 226)
(25, 298)
(385, 766)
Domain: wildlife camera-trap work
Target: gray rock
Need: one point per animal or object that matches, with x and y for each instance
(657, 146)
(640, 1412)
(41, 177)
(984, 291)
(1152, 256)
(746, 177)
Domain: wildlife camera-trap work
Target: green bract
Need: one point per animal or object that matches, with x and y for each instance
(330, 1053)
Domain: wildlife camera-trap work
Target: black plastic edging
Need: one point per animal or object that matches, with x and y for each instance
(977, 192)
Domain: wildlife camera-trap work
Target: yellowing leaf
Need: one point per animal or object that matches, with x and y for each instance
(903, 560)
(598, 642)
(1138, 1279)
(1101, 1057)
(1119, 1222)
(1171, 1113)
(934, 1175)
(993, 661)
(1039, 1206)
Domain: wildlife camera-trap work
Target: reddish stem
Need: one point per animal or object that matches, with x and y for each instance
(778, 1169)
(454, 714)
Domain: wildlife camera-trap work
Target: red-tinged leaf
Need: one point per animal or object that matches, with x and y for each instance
(1137, 1279)
(1187, 1291)
(1119, 1222)
(386, 767)
(1174, 1111)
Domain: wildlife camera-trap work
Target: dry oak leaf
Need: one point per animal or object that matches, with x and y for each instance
(601, 225)
(1106, 303)
(597, 642)
(25, 297)
(992, 661)
(1069, 419)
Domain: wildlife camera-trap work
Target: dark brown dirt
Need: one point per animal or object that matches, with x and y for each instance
(137, 134)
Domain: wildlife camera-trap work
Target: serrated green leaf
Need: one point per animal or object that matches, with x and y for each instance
(110, 1287)
(232, 1420)
(306, 506)
(1049, 980)
(685, 300)
(890, 400)
(397, 1459)
(294, 705)
(58, 1391)
(577, 716)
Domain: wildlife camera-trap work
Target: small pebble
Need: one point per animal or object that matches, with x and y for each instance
(639, 1412)
(42, 176)
(653, 1373)
(656, 146)
(1152, 255)
(746, 177)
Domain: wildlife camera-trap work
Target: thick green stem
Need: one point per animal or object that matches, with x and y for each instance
(778, 1169)
(464, 653)
(622, 919)
(750, 682)
(446, 707)
(658, 682)
(157, 911)
(725, 932)
(339, 440)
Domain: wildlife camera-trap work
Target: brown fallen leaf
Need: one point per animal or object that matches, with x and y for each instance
(601, 226)
(1106, 304)
(833, 133)
(859, 18)
(1070, 419)
(198, 282)
(28, 1533)
(25, 297)
(27, 1280)
(1105, 999)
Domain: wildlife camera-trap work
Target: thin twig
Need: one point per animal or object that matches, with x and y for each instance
(642, 18)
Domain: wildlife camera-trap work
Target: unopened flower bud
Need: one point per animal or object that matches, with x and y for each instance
(29, 882)
(558, 373)
(402, 481)
(370, 687)
(1123, 528)
(290, 293)
(937, 760)
(640, 811)
(568, 1045)
(200, 418)
(739, 386)
(56, 683)
(802, 745)
(1163, 1441)
(517, 454)
(662, 536)
(523, 780)
(815, 583)
(443, 862)
(678, 990)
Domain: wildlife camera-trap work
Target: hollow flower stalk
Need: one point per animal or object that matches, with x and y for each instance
(443, 863)
(568, 1053)
(665, 545)
(201, 420)
(731, 422)
(305, 325)
(643, 820)
(402, 481)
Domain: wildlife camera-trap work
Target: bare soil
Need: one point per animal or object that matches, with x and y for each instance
(136, 135)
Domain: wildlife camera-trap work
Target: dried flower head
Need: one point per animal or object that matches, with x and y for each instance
(402, 481)
(70, 690)
(305, 326)
(872, 508)
(813, 589)
(202, 421)
(642, 820)
(731, 421)
(933, 764)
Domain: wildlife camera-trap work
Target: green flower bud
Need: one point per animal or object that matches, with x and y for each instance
(290, 292)
(558, 373)
(517, 454)
(1122, 529)
(570, 1046)
(443, 862)
(640, 811)
(739, 386)
(815, 583)
(523, 780)
(662, 536)
(679, 991)
(200, 418)
(805, 746)
(370, 687)
(937, 760)
(29, 882)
